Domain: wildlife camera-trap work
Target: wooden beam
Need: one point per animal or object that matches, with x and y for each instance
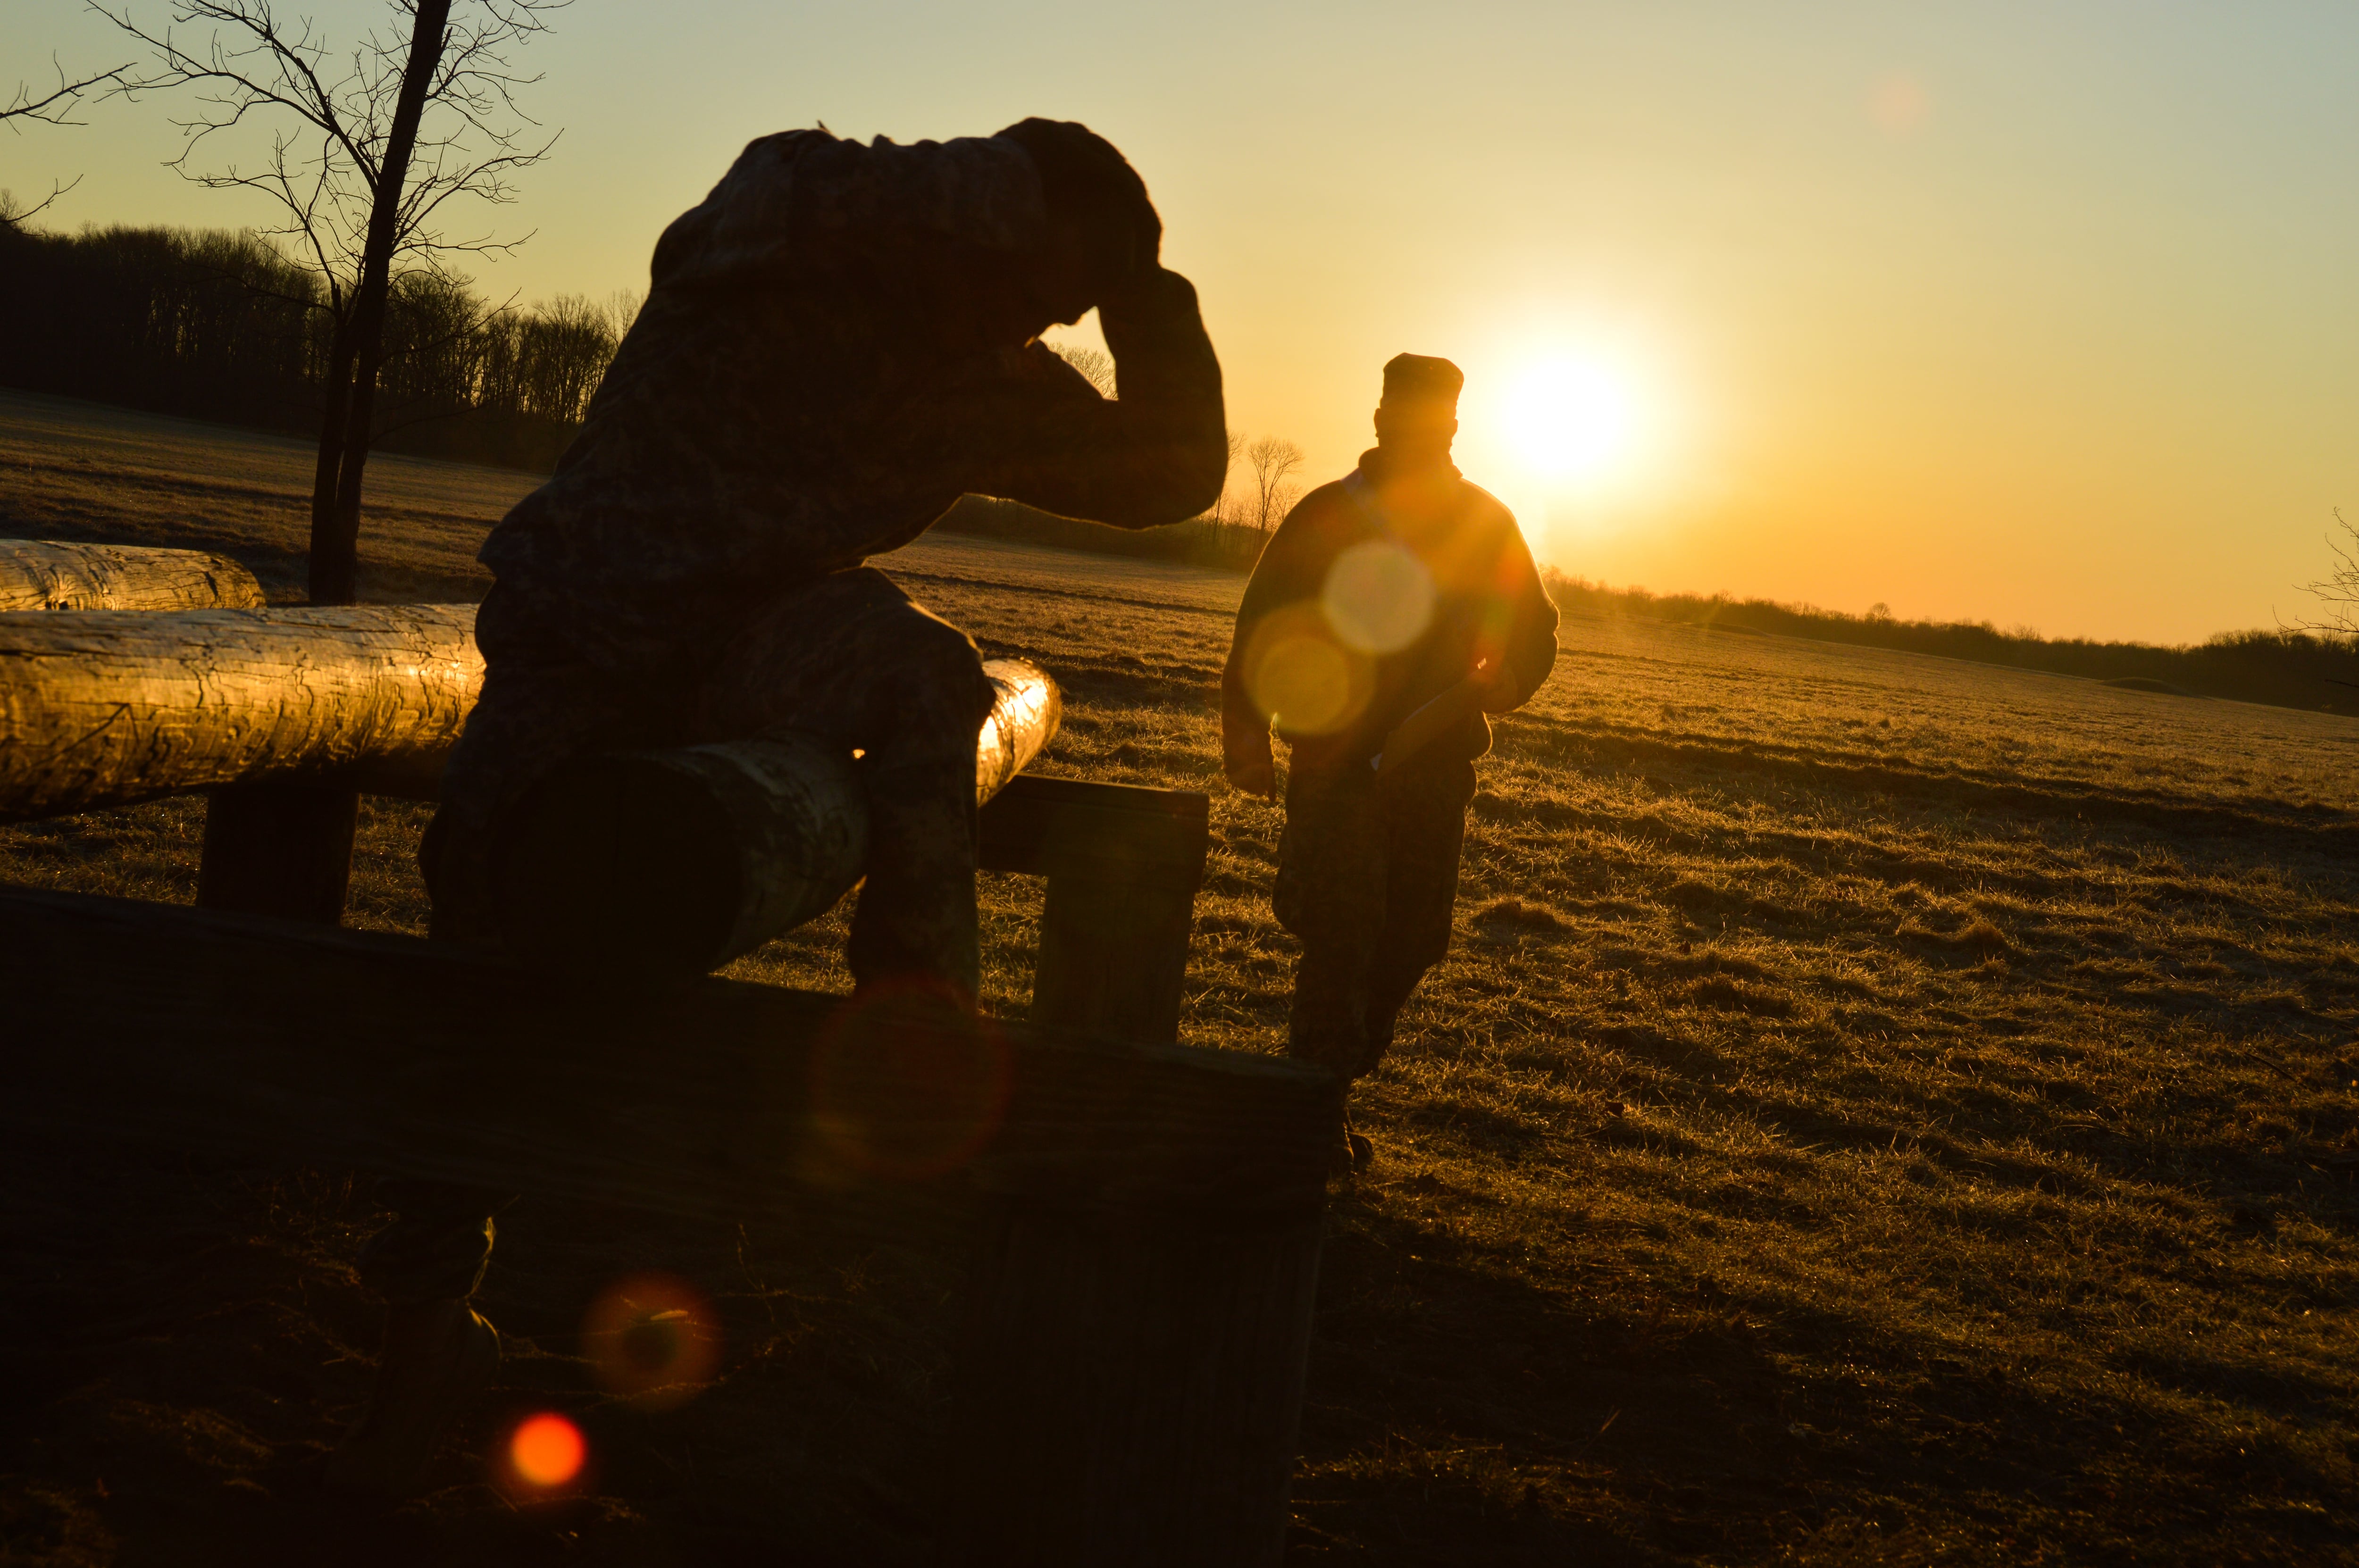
(715, 1100)
(38, 574)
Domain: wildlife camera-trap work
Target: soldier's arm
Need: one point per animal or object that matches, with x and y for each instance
(1157, 454)
(1246, 756)
(1524, 618)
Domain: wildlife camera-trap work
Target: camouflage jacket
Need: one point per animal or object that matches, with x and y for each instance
(817, 376)
(1481, 600)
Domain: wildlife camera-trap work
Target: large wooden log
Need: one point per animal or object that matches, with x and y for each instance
(109, 708)
(38, 574)
(1128, 1379)
(667, 864)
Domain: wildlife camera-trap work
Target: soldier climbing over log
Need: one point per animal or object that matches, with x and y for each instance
(838, 341)
(1391, 611)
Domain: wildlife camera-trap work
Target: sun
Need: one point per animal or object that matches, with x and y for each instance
(1570, 420)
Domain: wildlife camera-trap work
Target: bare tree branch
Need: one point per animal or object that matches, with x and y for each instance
(253, 62)
(12, 216)
(53, 109)
(2339, 589)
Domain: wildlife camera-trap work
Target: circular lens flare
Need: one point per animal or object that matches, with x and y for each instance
(908, 1082)
(547, 1451)
(652, 1339)
(1379, 598)
(1299, 674)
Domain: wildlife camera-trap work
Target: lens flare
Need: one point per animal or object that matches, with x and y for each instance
(547, 1451)
(907, 1083)
(1299, 674)
(1379, 598)
(652, 1339)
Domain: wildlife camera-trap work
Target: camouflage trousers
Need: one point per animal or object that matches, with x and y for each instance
(1368, 873)
(848, 657)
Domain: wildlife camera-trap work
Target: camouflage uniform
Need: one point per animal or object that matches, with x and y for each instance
(1368, 868)
(838, 341)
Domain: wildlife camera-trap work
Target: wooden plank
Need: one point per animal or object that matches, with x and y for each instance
(720, 1099)
(1040, 826)
(40, 574)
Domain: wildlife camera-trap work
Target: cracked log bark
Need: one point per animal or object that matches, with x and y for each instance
(38, 574)
(285, 714)
(110, 708)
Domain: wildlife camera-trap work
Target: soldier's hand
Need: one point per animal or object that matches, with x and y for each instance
(1495, 686)
(1254, 775)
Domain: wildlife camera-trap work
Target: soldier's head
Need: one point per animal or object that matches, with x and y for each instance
(1102, 231)
(1418, 417)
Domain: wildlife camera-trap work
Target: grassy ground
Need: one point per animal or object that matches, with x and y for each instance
(1877, 1110)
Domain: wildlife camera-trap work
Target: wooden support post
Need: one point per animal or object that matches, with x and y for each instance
(281, 850)
(1124, 865)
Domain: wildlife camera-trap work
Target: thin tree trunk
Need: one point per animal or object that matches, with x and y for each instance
(335, 571)
(338, 390)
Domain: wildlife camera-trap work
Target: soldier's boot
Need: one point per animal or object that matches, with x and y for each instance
(439, 1357)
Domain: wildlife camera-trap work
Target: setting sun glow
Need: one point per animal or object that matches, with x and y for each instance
(1570, 420)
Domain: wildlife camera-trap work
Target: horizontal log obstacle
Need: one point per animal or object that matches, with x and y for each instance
(36, 574)
(1129, 1361)
(667, 864)
(288, 714)
(106, 707)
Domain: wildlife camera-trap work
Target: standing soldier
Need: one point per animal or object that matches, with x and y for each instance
(1390, 612)
(838, 341)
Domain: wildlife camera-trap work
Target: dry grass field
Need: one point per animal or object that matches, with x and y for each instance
(1877, 1110)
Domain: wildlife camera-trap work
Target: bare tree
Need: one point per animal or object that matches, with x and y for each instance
(2339, 589)
(50, 109)
(1273, 461)
(1094, 363)
(369, 146)
(1221, 511)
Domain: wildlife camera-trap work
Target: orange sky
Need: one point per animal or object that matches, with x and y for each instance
(2042, 314)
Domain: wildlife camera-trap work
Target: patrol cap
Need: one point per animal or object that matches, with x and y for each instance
(1419, 382)
(1085, 181)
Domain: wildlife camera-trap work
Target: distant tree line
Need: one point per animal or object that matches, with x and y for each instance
(220, 326)
(2316, 669)
(223, 327)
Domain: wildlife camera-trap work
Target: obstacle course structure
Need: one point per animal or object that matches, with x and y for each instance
(1142, 1219)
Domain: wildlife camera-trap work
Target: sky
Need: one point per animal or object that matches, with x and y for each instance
(2044, 314)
